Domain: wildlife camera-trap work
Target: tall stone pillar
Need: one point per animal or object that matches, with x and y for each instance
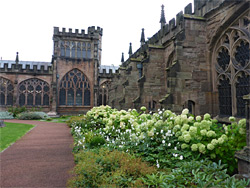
(53, 102)
(243, 156)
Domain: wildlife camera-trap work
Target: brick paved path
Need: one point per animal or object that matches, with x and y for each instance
(42, 158)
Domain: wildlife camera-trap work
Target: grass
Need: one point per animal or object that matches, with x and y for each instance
(11, 133)
(62, 119)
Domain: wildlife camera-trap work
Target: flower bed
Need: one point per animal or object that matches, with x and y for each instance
(164, 139)
(32, 115)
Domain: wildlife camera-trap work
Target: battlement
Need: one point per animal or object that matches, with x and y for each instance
(202, 7)
(91, 32)
(107, 70)
(25, 67)
(176, 25)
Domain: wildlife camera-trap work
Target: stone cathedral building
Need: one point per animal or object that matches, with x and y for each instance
(72, 82)
(199, 60)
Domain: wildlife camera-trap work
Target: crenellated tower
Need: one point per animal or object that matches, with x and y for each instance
(76, 61)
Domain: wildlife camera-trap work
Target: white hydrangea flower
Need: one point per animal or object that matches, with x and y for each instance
(210, 146)
(198, 118)
(185, 111)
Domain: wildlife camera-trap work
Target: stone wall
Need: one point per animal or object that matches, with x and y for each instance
(87, 65)
(16, 78)
(88, 69)
(177, 62)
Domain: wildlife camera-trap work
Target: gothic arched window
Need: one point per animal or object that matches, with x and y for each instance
(152, 105)
(6, 92)
(103, 93)
(74, 89)
(33, 92)
(232, 65)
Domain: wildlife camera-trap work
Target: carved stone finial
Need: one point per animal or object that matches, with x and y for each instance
(17, 58)
(142, 37)
(122, 60)
(130, 49)
(162, 20)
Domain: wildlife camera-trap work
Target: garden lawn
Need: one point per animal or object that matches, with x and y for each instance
(62, 119)
(11, 133)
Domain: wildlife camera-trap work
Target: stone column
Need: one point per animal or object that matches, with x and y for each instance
(54, 85)
(243, 156)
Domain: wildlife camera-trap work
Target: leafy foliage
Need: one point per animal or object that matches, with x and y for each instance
(202, 173)
(106, 168)
(164, 139)
(32, 115)
(17, 110)
(6, 115)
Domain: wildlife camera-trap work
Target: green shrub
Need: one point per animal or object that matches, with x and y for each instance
(164, 136)
(202, 173)
(32, 115)
(106, 168)
(164, 139)
(17, 110)
(6, 115)
(97, 141)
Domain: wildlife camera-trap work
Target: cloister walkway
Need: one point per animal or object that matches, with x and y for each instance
(42, 158)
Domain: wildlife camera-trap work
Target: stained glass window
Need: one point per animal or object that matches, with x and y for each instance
(232, 63)
(79, 97)
(38, 99)
(103, 93)
(2, 99)
(86, 97)
(21, 99)
(223, 58)
(74, 89)
(242, 88)
(225, 97)
(6, 92)
(33, 92)
(242, 53)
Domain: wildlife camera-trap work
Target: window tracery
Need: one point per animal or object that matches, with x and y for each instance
(62, 49)
(79, 51)
(67, 49)
(6, 92)
(33, 92)
(74, 89)
(103, 93)
(75, 49)
(232, 65)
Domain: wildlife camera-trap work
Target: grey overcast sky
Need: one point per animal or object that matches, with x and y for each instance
(27, 25)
